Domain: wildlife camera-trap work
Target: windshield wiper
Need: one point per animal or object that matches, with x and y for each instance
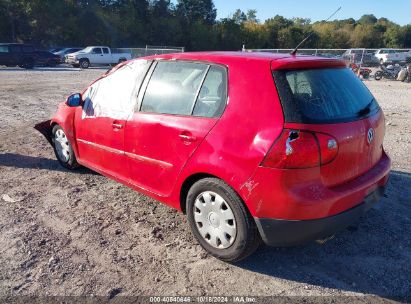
(367, 109)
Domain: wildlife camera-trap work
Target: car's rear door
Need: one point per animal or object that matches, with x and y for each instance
(16, 53)
(179, 104)
(100, 125)
(107, 56)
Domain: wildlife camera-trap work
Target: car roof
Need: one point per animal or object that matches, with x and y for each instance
(14, 43)
(277, 60)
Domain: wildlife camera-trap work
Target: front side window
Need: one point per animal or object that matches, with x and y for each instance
(173, 87)
(96, 51)
(115, 95)
(15, 48)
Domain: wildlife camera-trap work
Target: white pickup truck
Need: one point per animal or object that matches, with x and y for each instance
(96, 55)
(391, 56)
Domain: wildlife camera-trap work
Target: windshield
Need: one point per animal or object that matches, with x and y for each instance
(323, 95)
(86, 50)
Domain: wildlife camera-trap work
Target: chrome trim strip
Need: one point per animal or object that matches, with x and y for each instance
(152, 161)
(141, 158)
(112, 150)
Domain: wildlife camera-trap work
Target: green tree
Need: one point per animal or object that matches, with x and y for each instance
(239, 17)
(252, 16)
(194, 10)
(367, 19)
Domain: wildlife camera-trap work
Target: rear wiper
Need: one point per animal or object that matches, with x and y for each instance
(367, 109)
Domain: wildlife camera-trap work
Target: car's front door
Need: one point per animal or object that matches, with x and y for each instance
(178, 105)
(5, 55)
(106, 59)
(96, 56)
(100, 124)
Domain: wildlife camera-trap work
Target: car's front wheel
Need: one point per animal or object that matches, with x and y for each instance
(84, 63)
(220, 221)
(63, 149)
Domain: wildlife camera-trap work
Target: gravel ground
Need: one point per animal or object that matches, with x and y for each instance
(78, 233)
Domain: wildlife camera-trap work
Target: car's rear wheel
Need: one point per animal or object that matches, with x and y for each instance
(220, 221)
(27, 63)
(63, 149)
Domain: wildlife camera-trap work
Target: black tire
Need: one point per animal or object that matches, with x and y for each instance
(378, 75)
(247, 237)
(69, 163)
(84, 63)
(51, 63)
(27, 63)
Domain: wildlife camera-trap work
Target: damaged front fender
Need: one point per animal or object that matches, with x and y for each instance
(45, 128)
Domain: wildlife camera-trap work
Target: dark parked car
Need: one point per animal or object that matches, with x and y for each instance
(47, 59)
(65, 51)
(17, 54)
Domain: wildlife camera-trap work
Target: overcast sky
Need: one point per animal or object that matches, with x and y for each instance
(398, 11)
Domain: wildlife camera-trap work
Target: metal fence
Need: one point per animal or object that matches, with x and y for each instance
(319, 52)
(151, 50)
(360, 56)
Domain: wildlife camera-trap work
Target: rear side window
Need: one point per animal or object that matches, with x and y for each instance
(213, 94)
(323, 95)
(105, 50)
(173, 87)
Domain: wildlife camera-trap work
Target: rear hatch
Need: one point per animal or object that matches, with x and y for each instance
(333, 103)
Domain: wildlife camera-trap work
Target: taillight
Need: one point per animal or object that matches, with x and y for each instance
(296, 149)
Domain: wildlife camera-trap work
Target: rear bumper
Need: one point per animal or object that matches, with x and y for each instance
(302, 195)
(277, 232)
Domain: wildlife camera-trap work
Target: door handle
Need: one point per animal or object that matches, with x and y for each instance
(117, 125)
(187, 138)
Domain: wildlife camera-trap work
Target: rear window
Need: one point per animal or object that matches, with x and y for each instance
(323, 95)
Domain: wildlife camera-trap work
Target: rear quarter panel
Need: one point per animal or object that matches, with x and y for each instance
(239, 141)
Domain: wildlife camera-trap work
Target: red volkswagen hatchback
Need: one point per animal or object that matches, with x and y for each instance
(251, 146)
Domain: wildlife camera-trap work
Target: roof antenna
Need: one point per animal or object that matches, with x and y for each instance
(306, 38)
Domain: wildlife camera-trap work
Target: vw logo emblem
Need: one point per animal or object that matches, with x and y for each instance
(370, 135)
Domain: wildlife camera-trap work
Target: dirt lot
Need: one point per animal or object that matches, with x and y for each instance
(79, 233)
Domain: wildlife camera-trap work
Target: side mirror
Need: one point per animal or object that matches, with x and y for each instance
(74, 100)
